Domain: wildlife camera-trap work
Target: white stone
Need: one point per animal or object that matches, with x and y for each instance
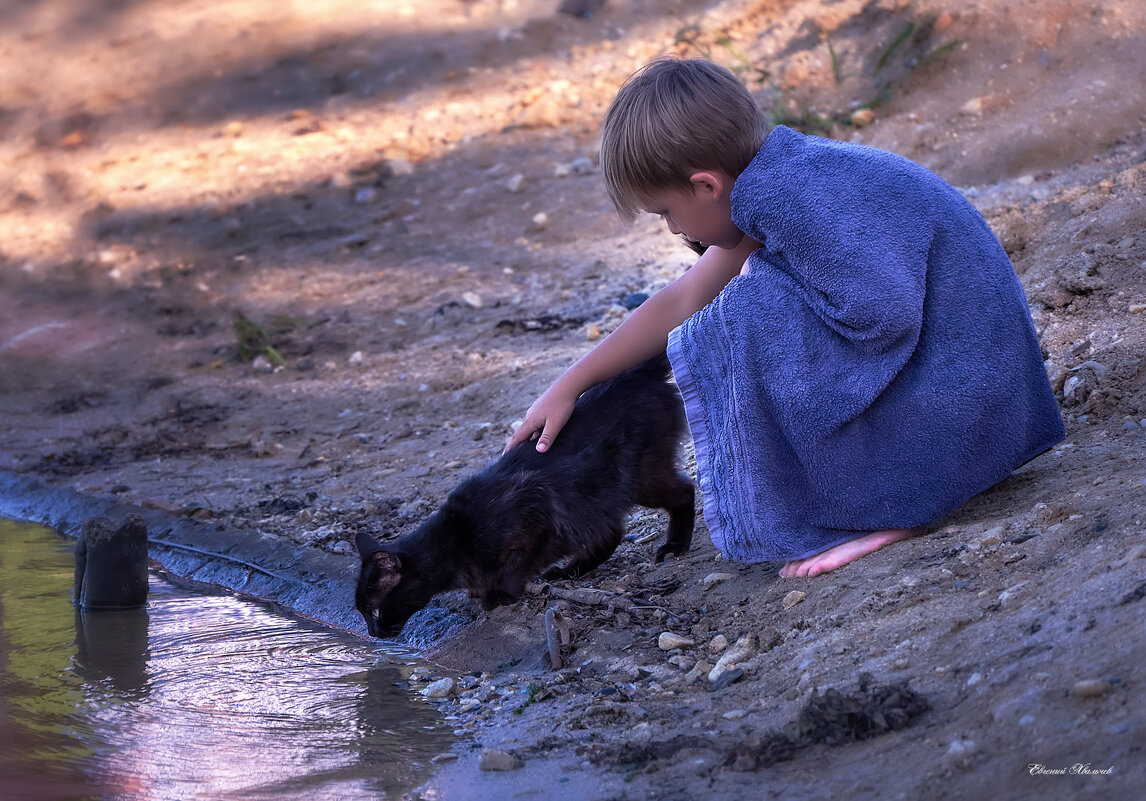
(668, 641)
(712, 579)
(438, 689)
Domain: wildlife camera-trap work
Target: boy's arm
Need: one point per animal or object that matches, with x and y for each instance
(643, 335)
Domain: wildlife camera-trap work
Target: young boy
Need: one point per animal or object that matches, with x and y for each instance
(854, 350)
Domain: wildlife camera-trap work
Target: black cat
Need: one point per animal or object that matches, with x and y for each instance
(563, 509)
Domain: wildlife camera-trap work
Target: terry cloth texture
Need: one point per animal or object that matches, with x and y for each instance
(874, 368)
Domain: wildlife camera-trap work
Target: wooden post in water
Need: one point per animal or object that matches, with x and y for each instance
(111, 564)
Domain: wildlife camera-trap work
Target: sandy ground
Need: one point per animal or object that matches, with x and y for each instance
(401, 201)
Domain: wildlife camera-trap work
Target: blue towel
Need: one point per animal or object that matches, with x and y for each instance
(874, 368)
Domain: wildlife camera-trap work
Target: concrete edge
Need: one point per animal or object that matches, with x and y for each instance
(309, 582)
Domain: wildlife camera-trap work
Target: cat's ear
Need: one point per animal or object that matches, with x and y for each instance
(387, 572)
(366, 544)
(386, 562)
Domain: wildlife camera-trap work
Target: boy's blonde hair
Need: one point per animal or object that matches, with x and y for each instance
(671, 118)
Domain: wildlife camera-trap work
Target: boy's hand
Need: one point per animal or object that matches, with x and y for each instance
(548, 415)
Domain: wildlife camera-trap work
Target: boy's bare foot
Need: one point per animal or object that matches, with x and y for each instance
(847, 552)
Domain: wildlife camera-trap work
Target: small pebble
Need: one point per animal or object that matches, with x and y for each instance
(862, 117)
(726, 678)
(1091, 688)
(959, 752)
(438, 689)
(717, 644)
(735, 714)
(401, 167)
(668, 641)
(473, 300)
(540, 220)
(356, 357)
(793, 598)
(1134, 552)
(440, 758)
(634, 300)
(972, 106)
(494, 759)
(742, 651)
(515, 183)
(701, 668)
(974, 679)
(1009, 593)
(993, 537)
(712, 579)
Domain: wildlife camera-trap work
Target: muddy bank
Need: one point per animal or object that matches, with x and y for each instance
(304, 581)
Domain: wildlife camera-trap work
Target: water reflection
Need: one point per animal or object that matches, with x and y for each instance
(193, 697)
(112, 648)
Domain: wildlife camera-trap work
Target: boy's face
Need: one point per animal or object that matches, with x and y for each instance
(702, 213)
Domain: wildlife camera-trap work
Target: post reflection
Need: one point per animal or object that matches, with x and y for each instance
(112, 649)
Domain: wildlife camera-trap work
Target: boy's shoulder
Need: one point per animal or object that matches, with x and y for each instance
(784, 145)
(790, 164)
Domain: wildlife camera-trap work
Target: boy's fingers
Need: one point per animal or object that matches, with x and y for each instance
(518, 437)
(524, 433)
(548, 434)
(543, 442)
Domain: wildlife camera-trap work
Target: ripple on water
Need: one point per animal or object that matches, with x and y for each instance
(198, 696)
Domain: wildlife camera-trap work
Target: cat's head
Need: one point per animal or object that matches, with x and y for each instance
(390, 588)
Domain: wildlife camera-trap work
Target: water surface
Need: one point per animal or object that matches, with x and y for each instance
(195, 697)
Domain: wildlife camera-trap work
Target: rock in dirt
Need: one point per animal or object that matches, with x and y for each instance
(438, 689)
(793, 598)
(712, 579)
(717, 644)
(742, 651)
(669, 641)
(960, 752)
(1091, 688)
(726, 678)
(699, 669)
(495, 759)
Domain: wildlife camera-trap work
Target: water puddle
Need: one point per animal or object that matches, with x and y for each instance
(194, 697)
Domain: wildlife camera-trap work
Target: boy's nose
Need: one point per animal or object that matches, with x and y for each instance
(673, 228)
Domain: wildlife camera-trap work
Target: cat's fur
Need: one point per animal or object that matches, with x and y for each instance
(563, 509)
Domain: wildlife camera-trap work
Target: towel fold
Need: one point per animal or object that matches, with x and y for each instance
(874, 368)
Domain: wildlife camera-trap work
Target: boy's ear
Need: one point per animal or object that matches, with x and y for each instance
(709, 183)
